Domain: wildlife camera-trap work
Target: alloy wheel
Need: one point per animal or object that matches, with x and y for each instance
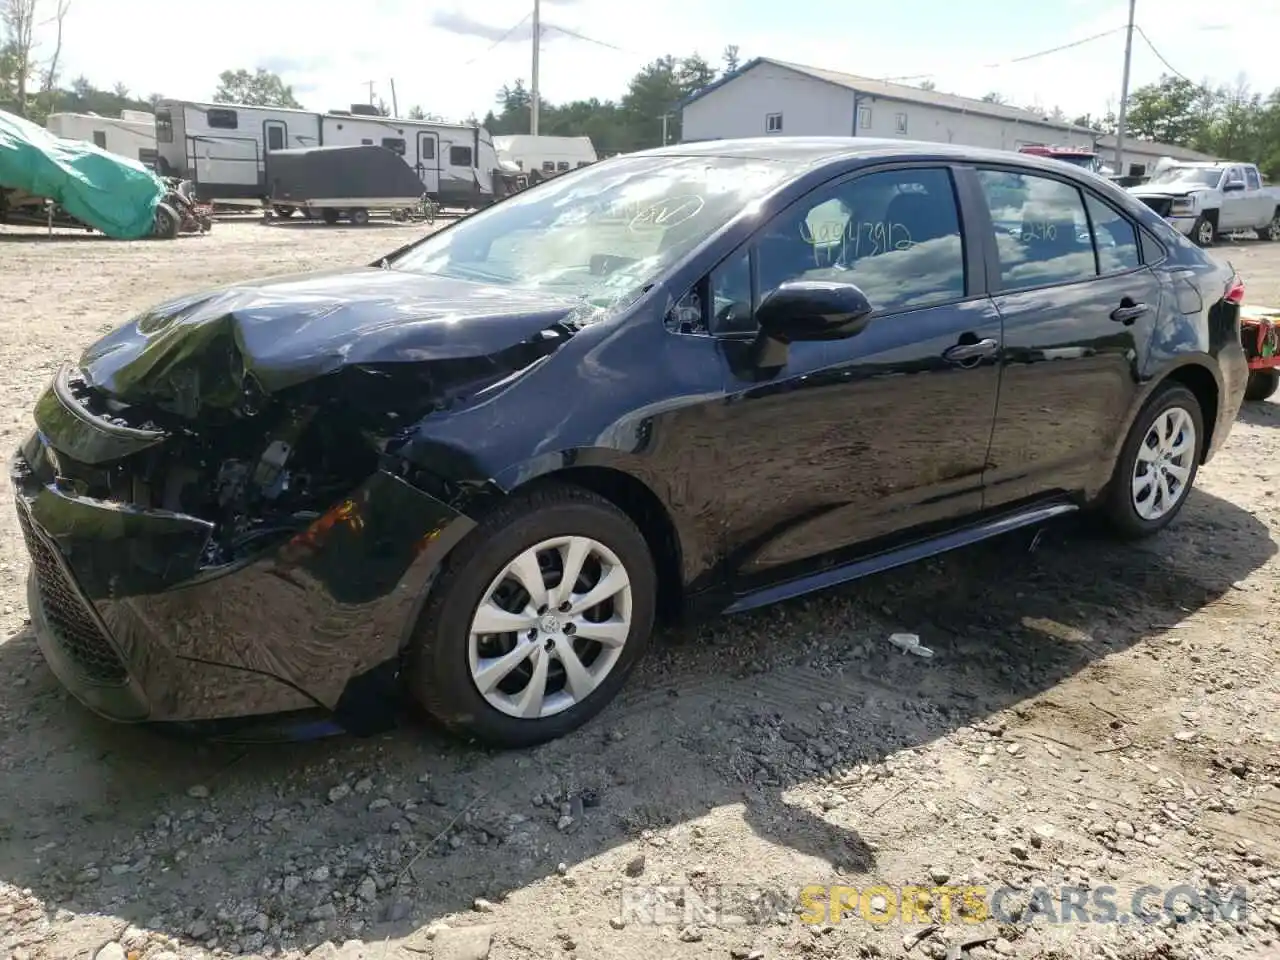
(550, 627)
(1273, 228)
(1205, 233)
(1163, 465)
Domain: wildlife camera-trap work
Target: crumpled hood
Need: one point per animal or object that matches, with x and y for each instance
(1169, 190)
(208, 350)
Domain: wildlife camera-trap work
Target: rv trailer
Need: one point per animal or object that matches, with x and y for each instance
(225, 149)
(544, 157)
(132, 134)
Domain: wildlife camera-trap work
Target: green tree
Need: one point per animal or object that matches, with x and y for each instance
(1172, 110)
(928, 85)
(730, 56)
(262, 88)
(995, 96)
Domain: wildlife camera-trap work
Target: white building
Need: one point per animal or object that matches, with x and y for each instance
(768, 96)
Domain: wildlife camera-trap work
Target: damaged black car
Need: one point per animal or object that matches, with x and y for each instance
(693, 380)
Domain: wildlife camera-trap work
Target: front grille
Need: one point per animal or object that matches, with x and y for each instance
(74, 628)
(1161, 205)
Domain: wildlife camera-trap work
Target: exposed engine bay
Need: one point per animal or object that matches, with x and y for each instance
(252, 476)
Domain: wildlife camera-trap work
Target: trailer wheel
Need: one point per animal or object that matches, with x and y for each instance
(166, 224)
(1262, 384)
(329, 215)
(283, 213)
(359, 216)
(308, 213)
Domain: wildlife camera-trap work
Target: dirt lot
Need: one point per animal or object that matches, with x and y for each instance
(1094, 716)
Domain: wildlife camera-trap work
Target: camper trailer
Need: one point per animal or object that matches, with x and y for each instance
(132, 134)
(225, 149)
(543, 157)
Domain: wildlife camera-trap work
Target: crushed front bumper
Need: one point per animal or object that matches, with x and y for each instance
(138, 630)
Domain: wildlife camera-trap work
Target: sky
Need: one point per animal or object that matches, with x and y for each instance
(450, 57)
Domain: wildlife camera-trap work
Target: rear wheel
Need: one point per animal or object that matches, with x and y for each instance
(1272, 230)
(1158, 464)
(1203, 232)
(1262, 384)
(537, 620)
(329, 215)
(359, 216)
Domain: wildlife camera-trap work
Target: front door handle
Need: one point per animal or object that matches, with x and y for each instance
(1128, 312)
(977, 350)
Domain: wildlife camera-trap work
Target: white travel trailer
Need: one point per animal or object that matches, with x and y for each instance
(132, 134)
(546, 156)
(225, 149)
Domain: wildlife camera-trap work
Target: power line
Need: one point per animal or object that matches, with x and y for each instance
(1022, 59)
(1160, 56)
(501, 40)
(582, 36)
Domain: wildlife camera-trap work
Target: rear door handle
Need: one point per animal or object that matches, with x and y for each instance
(979, 350)
(1129, 313)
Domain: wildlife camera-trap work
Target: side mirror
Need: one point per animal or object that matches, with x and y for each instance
(1233, 186)
(813, 310)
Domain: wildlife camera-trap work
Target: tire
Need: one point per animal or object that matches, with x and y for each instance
(359, 216)
(1119, 505)
(329, 215)
(438, 669)
(1262, 384)
(1203, 232)
(166, 223)
(1271, 231)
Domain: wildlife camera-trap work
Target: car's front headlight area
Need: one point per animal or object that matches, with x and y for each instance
(1184, 205)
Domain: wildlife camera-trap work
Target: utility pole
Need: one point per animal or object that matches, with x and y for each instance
(395, 107)
(664, 128)
(537, 42)
(369, 84)
(1124, 92)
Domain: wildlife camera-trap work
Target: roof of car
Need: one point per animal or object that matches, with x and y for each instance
(817, 150)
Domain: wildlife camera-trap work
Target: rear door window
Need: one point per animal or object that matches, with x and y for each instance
(1115, 237)
(1042, 231)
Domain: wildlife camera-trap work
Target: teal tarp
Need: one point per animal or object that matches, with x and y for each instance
(109, 193)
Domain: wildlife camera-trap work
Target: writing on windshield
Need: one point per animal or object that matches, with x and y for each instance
(600, 233)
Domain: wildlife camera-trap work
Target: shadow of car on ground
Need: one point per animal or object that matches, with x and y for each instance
(302, 843)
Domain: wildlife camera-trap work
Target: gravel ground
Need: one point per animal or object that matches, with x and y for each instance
(1094, 716)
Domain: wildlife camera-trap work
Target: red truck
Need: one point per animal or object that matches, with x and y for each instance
(1076, 156)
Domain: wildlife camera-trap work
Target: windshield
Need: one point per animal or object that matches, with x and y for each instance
(1198, 176)
(600, 234)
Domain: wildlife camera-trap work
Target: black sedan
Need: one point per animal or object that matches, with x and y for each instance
(687, 381)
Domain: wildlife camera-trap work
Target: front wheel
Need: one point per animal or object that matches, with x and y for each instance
(536, 621)
(1272, 230)
(1157, 465)
(1262, 384)
(1203, 231)
(358, 216)
(166, 222)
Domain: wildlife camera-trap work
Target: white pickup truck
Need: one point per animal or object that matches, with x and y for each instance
(1205, 200)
